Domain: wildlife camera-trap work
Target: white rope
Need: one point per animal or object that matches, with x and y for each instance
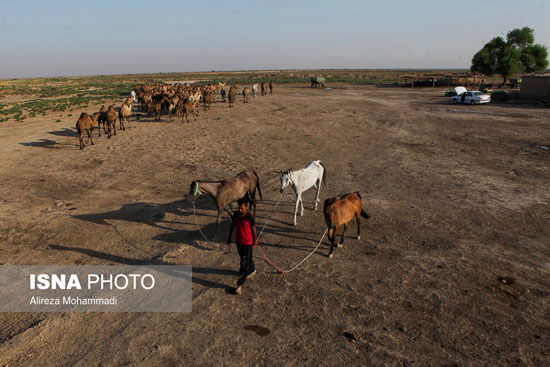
(272, 211)
(199, 228)
(311, 253)
(261, 232)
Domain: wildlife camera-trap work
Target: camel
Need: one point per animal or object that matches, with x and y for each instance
(102, 119)
(86, 123)
(231, 96)
(111, 116)
(255, 90)
(246, 91)
(124, 114)
(207, 99)
(189, 106)
(158, 110)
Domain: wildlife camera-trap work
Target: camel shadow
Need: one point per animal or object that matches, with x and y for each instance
(153, 261)
(48, 143)
(64, 132)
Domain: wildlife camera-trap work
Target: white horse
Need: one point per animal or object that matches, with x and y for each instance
(303, 179)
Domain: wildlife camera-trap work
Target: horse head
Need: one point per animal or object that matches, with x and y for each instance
(328, 212)
(285, 180)
(193, 193)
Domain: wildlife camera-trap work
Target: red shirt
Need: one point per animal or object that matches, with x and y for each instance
(243, 227)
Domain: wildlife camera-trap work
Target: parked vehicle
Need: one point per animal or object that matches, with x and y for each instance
(469, 97)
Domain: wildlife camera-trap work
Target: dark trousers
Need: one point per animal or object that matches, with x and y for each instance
(247, 264)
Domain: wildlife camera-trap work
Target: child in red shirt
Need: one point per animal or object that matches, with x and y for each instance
(245, 238)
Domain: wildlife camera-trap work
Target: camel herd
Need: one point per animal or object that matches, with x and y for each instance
(176, 100)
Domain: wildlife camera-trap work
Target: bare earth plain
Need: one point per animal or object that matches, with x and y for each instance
(452, 268)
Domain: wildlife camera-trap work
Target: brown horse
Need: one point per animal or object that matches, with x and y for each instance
(227, 191)
(339, 211)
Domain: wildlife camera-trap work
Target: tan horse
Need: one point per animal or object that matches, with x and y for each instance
(227, 191)
(339, 211)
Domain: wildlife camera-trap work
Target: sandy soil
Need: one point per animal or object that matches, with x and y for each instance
(452, 268)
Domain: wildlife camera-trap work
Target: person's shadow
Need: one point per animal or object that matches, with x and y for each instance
(151, 261)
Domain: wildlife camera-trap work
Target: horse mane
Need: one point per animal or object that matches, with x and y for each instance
(210, 181)
(330, 201)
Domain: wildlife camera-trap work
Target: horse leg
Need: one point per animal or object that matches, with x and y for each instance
(302, 207)
(317, 195)
(343, 233)
(218, 220)
(253, 197)
(332, 239)
(298, 198)
(358, 216)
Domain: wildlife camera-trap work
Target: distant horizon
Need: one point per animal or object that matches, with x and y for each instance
(68, 39)
(240, 71)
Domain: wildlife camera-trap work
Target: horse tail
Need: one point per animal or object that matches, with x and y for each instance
(364, 214)
(324, 179)
(258, 185)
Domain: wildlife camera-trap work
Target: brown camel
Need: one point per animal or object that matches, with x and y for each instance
(189, 107)
(111, 116)
(246, 92)
(86, 123)
(231, 96)
(102, 119)
(207, 99)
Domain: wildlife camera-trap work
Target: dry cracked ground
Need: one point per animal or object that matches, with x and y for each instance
(452, 268)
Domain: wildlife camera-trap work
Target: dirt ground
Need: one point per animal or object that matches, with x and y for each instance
(452, 268)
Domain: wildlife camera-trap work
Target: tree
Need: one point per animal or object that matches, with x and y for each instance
(518, 54)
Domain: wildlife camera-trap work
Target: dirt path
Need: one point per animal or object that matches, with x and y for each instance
(458, 196)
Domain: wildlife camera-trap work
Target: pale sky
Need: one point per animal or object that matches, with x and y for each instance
(65, 38)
